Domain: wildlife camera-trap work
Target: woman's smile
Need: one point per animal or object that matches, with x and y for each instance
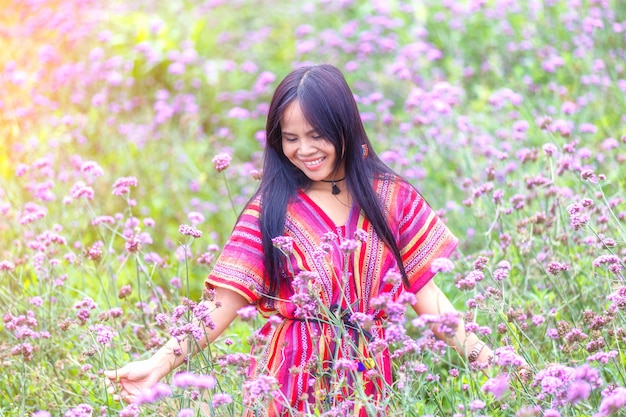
(306, 148)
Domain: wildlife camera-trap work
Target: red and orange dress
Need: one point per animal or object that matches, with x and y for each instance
(302, 354)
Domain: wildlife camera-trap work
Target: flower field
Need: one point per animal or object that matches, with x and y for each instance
(131, 135)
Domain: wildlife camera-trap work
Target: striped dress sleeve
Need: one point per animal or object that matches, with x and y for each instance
(423, 237)
(240, 265)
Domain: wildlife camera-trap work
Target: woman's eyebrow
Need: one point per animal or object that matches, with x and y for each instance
(293, 134)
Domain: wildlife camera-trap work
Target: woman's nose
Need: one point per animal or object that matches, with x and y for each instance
(306, 146)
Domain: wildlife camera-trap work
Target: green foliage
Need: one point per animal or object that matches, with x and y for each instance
(443, 88)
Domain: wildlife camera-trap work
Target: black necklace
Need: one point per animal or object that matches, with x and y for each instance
(336, 189)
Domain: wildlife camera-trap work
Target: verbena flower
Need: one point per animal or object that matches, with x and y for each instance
(186, 230)
(348, 246)
(154, 394)
(122, 185)
(284, 244)
(104, 334)
(188, 379)
(131, 410)
(247, 313)
(220, 399)
(260, 387)
(221, 161)
(82, 410)
(442, 265)
(497, 386)
(612, 402)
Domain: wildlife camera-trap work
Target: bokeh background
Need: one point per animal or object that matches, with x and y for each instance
(120, 121)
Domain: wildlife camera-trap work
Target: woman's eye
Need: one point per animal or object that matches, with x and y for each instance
(291, 139)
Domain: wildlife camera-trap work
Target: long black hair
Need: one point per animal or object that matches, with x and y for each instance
(329, 106)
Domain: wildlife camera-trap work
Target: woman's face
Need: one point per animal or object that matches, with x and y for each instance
(310, 152)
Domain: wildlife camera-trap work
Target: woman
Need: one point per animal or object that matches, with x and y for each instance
(333, 225)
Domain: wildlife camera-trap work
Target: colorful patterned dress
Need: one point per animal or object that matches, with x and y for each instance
(307, 352)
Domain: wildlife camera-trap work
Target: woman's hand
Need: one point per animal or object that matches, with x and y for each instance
(128, 382)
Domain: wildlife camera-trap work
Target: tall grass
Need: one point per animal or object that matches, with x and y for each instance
(508, 116)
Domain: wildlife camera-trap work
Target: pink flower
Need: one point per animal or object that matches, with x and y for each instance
(195, 217)
(186, 230)
(550, 149)
(261, 386)
(92, 168)
(284, 244)
(349, 246)
(133, 245)
(247, 313)
(612, 402)
(555, 267)
(81, 190)
(220, 399)
(441, 265)
(21, 170)
(154, 394)
(83, 410)
(221, 161)
(6, 266)
(186, 379)
(497, 386)
(124, 292)
(104, 334)
(122, 185)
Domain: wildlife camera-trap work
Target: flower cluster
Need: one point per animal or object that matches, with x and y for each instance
(186, 230)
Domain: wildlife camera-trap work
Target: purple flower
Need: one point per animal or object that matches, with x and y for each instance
(578, 391)
(81, 190)
(587, 128)
(131, 410)
(188, 379)
(104, 334)
(154, 394)
(360, 235)
(195, 218)
(261, 386)
(612, 402)
(349, 246)
(133, 245)
(284, 244)
(476, 405)
(92, 168)
(221, 399)
(187, 230)
(549, 149)
(122, 185)
(555, 267)
(602, 357)
(247, 313)
(83, 410)
(470, 280)
(6, 266)
(618, 297)
(497, 386)
(441, 265)
(221, 161)
(506, 356)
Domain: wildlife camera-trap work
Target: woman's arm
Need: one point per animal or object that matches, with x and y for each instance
(140, 375)
(431, 300)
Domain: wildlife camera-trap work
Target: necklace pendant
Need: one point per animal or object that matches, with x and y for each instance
(336, 189)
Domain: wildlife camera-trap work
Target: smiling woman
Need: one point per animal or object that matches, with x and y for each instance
(331, 270)
(307, 149)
